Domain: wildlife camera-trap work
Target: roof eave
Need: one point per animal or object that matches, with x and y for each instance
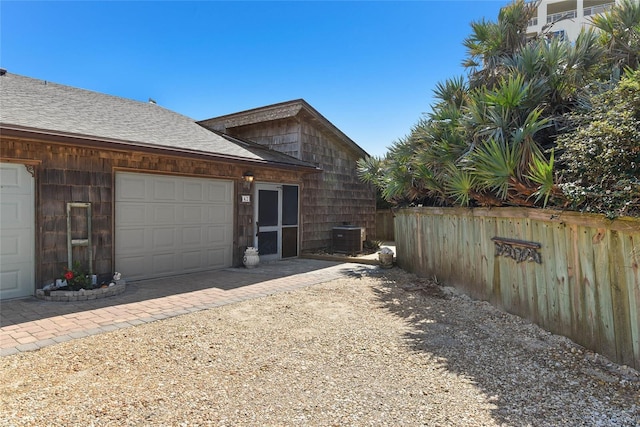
(123, 145)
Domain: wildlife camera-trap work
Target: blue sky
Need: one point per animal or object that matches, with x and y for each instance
(368, 67)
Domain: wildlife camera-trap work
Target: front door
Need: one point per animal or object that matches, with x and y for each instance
(277, 221)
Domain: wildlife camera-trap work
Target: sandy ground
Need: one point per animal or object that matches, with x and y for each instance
(380, 348)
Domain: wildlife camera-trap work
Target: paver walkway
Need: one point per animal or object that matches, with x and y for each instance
(30, 324)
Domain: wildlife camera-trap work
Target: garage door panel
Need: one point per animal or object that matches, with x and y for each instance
(219, 213)
(163, 263)
(164, 189)
(15, 210)
(219, 192)
(17, 231)
(163, 239)
(133, 214)
(131, 240)
(131, 188)
(134, 265)
(192, 260)
(193, 192)
(14, 246)
(10, 212)
(193, 214)
(218, 236)
(163, 214)
(192, 237)
(10, 179)
(10, 281)
(218, 257)
(9, 246)
(175, 235)
(15, 180)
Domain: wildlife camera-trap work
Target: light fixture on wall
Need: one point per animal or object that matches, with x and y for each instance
(247, 177)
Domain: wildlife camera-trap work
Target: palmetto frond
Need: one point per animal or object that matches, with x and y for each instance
(460, 185)
(524, 137)
(584, 56)
(493, 114)
(453, 92)
(513, 19)
(528, 61)
(620, 33)
(541, 173)
(370, 169)
(490, 43)
(494, 164)
(396, 182)
(510, 93)
(426, 181)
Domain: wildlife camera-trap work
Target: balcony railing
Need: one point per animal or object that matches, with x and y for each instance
(562, 15)
(532, 22)
(594, 10)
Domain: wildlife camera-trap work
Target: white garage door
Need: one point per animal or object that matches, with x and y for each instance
(17, 225)
(167, 225)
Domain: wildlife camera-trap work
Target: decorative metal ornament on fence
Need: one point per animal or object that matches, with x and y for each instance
(519, 250)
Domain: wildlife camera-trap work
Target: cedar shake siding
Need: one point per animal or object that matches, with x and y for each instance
(331, 198)
(66, 173)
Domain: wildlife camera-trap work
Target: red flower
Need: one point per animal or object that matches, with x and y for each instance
(68, 275)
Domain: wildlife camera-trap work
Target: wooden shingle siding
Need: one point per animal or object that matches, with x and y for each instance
(331, 198)
(328, 199)
(69, 173)
(339, 197)
(283, 136)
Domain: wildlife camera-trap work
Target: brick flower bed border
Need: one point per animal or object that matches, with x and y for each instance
(82, 294)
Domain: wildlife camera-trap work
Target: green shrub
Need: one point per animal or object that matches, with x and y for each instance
(600, 157)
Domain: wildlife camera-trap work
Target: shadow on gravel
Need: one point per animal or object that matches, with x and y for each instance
(532, 376)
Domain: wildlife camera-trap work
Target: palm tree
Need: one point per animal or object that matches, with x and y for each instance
(620, 33)
(488, 138)
(491, 42)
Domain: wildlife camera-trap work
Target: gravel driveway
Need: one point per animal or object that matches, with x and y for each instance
(380, 348)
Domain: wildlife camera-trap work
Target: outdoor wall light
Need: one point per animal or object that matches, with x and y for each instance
(248, 177)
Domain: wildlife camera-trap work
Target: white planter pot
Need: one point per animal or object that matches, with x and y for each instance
(251, 258)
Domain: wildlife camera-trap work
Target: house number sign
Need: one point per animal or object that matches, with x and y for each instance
(518, 250)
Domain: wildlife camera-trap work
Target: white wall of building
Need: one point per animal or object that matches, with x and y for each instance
(576, 12)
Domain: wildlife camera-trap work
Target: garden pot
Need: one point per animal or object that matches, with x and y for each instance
(386, 260)
(251, 258)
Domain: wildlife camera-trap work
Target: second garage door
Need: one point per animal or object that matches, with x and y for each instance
(166, 225)
(17, 228)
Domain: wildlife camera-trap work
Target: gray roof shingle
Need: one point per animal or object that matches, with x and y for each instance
(36, 105)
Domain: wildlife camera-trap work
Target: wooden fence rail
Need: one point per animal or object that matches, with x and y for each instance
(573, 274)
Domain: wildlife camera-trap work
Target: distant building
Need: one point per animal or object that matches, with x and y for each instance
(565, 18)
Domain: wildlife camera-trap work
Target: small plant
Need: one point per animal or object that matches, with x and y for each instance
(372, 245)
(77, 278)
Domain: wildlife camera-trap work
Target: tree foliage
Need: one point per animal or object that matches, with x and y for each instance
(601, 154)
(491, 136)
(620, 34)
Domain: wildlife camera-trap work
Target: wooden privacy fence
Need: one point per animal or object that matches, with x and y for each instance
(384, 225)
(573, 274)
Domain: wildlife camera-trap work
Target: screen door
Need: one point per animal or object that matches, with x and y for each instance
(277, 221)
